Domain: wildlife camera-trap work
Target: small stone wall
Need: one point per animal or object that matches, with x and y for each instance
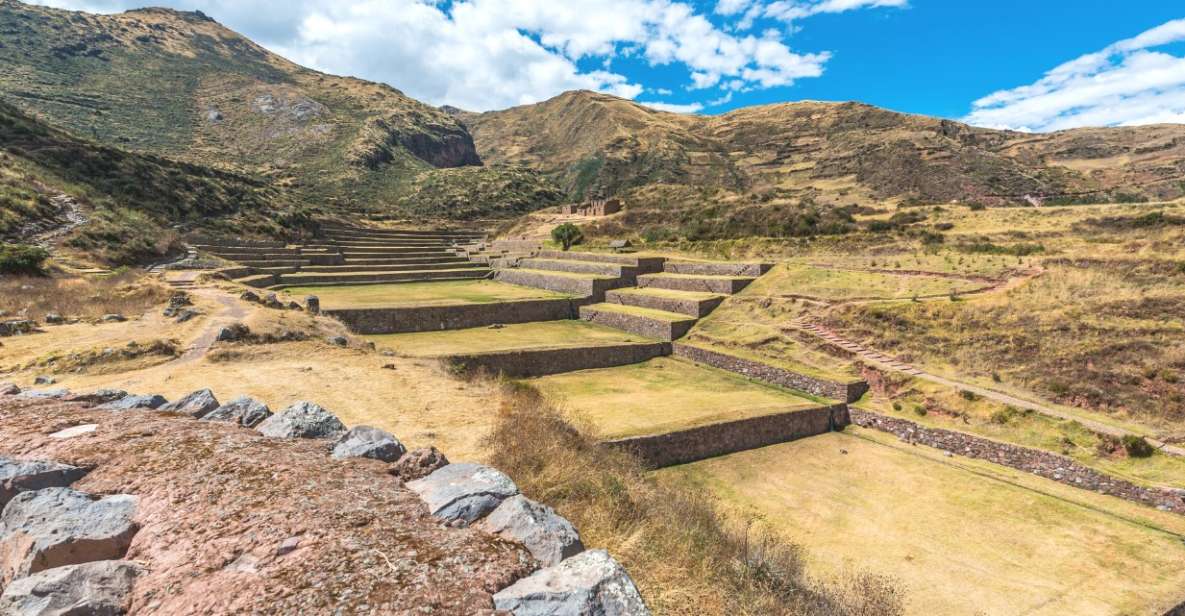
(462, 316)
(848, 392)
(716, 269)
(540, 362)
(645, 265)
(702, 442)
(1042, 463)
(580, 267)
(697, 308)
(727, 286)
(589, 287)
(637, 324)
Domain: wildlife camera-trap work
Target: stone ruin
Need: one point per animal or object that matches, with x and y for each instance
(594, 207)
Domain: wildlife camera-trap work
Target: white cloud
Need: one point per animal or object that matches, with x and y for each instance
(790, 10)
(1126, 83)
(673, 107)
(486, 54)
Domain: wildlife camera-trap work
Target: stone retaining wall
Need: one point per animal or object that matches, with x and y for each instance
(705, 284)
(434, 318)
(716, 269)
(589, 287)
(702, 442)
(645, 265)
(848, 392)
(697, 308)
(637, 324)
(540, 362)
(1042, 463)
(580, 267)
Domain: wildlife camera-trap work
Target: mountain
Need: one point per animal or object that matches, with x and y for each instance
(132, 201)
(813, 157)
(178, 84)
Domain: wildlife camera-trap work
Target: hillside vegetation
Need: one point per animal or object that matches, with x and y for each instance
(181, 85)
(802, 168)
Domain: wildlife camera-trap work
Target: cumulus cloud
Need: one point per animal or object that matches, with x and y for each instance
(1127, 83)
(674, 107)
(486, 54)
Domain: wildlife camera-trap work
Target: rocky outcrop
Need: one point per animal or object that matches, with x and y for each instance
(55, 527)
(463, 492)
(418, 463)
(136, 402)
(302, 420)
(196, 404)
(548, 536)
(244, 410)
(589, 583)
(27, 475)
(92, 589)
(368, 442)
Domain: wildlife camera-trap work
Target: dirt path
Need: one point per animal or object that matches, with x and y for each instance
(230, 310)
(886, 362)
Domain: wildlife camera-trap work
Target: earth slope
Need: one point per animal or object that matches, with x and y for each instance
(181, 85)
(827, 153)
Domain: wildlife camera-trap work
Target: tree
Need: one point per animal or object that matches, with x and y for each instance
(567, 235)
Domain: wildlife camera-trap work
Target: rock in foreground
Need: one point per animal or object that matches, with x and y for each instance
(26, 475)
(588, 584)
(302, 420)
(463, 492)
(91, 589)
(196, 404)
(548, 536)
(244, 410)
(368, 442)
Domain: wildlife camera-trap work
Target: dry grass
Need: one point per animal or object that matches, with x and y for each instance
(129, 293)
(686, 558)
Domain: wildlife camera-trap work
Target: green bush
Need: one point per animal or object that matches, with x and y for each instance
(567, 235)
(22, 259)
(969, 395)
(1137, 447)
(920, 410)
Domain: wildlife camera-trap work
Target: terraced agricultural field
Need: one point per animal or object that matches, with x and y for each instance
(420, 294)
(836, 284)
(542, 334)
(662, 395)
(961, 537)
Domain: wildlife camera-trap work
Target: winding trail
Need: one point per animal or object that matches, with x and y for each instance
(230, 310)
(887, 362)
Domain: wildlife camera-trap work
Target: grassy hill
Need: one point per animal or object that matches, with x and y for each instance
(133, 201)
(796, 168)
(181, 85)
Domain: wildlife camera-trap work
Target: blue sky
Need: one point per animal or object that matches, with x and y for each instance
(1035, 65)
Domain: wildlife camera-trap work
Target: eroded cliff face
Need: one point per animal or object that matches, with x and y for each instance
(442, 144)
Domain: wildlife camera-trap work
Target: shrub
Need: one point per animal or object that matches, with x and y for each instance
(1137, 446)
(896, 406)
(920, 410)
(567, 235)
(22, 259)
(976, 206)
(968, 395)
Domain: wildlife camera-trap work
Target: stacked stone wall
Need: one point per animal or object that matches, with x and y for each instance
(435, 318)
(702, 442)
(637, 324)
(716, 269)
(692, 307)
(540, 362)
(727, 286)
(1042, 463)
(848, 392)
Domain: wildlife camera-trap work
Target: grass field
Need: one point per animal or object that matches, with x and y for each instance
(963, 537)
(662, 395)
(420, 294)
(543, 334)
(832, 284)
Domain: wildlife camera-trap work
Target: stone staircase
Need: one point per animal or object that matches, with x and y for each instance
(350, 255)
(648, 296)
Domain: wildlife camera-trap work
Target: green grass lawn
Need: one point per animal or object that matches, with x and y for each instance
(962, 537)
(662, 395)
(420, 294)
(544, 334)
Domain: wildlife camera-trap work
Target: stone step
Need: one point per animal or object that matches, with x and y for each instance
(583, 285)
(645, 265)
(726, 285)
(659, 324)
(318, 278)
(258, 281)
(390, 267)
(581, 267)
(266, 263)
(360, 243)
(363, 253)
(716, 268)
(378, 234)
(255, 255)
(690, 303)
(404, 260)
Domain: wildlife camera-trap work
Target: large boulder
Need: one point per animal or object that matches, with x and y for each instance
(591, 583)
(90, 589)
(232, 333)
(463, 492)
(548, 536)
(196, 404)
(25, 475)
(302, 420)
(9, 389)
(56, 393)
(418, 463)
(15, 327)
(55, 527)
(99, 396)
(132, 403)
(368, 442)
(244, 410)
